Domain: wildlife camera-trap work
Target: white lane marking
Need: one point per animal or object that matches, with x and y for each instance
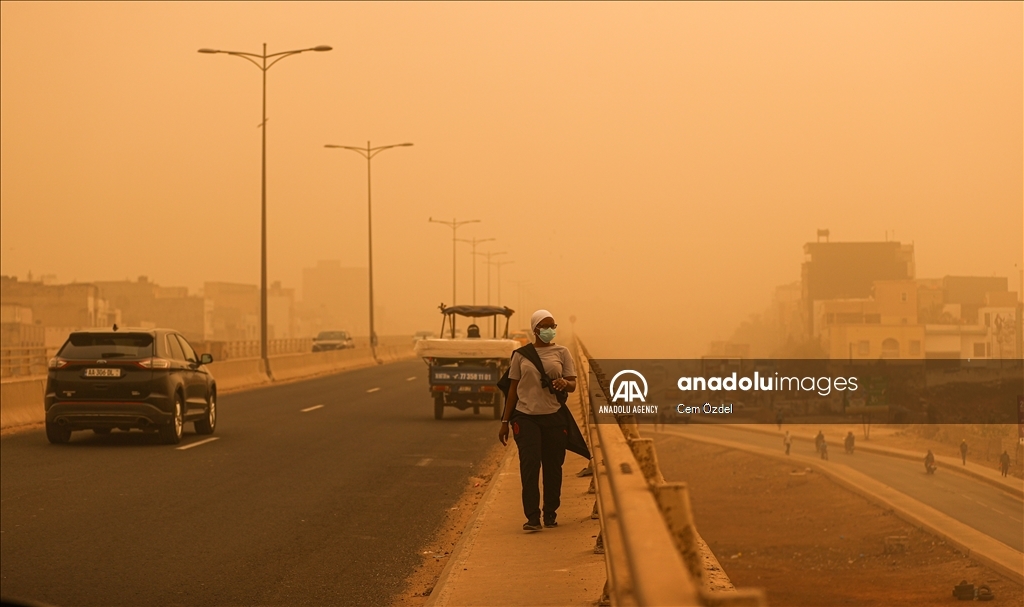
(313, 408)
(410, 378)
(196, 444)
(425, 461)
(372, 390)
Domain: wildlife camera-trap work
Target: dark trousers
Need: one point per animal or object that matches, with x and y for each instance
(541, 440)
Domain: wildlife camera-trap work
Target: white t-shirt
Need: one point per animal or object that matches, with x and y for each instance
(534, 398)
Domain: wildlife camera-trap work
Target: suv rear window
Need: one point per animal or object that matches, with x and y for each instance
(107, 345)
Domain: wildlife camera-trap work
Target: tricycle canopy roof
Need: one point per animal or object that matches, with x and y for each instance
(478, 311)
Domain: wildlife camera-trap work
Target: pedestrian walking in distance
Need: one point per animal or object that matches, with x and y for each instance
(787, 441)
(963, 451)
(819, 440)
(824, 450)
(929, 462)
(1004, 463)
(848, 442)
(539, 379)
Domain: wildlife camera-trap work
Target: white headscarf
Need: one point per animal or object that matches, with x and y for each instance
(538, 316)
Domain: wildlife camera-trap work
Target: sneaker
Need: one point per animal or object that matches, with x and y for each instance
(532, 526)
(549, 521)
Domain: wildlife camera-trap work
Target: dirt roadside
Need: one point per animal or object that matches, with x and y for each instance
(807, 541)
(434, 555)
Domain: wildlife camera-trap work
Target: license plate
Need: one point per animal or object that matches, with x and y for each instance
(103, 373)
(465, 388)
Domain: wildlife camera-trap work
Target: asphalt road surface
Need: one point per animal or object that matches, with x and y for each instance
(326, 506)
(972, 502)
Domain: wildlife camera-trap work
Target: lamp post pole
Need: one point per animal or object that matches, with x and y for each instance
(498, 265)
(368, 153)
(263, 65)
(473, 242)
(520, 287)
(488, 255)
(454, 225)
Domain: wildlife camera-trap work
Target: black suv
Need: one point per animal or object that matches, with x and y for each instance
(150, 379)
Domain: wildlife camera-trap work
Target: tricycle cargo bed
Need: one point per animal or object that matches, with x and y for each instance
(466, 348)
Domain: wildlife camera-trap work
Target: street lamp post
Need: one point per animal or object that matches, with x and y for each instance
(368, 153)
(521, 285)
(488, 255)
(498, 265)
(454, 225)
(473, 242)
(263, 65)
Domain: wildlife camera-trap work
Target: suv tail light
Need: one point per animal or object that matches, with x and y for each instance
(155, 363)
(57, 363)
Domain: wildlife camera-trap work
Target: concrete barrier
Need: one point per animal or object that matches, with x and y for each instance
(240, 373)
(295, 366)
(21, 401)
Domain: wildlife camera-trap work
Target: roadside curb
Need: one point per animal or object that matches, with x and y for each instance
(440, 592)
(1013, 489)
(1000, 557)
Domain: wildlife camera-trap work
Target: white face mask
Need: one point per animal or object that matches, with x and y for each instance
(546, 335)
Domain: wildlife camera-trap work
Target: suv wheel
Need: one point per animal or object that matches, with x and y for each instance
(57, 435)
(208, 423)
(171, 433)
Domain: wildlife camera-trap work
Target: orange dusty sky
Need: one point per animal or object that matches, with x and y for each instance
(653, 169)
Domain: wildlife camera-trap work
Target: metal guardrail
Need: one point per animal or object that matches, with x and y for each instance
(653, 553)
(23, 362)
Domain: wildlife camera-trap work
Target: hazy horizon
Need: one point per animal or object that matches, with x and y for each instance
(653, 169)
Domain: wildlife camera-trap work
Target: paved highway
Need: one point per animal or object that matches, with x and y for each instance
(972, 502)
(326, 506)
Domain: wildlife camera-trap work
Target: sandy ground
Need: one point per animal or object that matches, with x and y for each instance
(807, 541)
(434, 555)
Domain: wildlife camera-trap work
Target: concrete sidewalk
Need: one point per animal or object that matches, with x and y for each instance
(986, 474)
(497, 563)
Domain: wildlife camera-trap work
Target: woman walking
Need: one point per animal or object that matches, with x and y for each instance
(541, 425)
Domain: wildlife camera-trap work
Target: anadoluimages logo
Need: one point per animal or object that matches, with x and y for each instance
(627, 390)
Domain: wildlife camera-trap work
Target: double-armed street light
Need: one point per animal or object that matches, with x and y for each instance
(487, 255)
(473, 242)
(454, 224)
(264, 62)
(498, 265)
(368, 153)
